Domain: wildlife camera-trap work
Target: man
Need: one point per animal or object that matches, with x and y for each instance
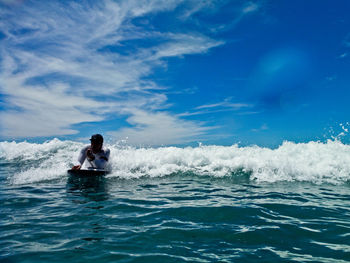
(96, 156)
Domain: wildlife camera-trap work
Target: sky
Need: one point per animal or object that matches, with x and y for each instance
(175, 72)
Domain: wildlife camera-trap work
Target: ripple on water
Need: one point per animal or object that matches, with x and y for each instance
(174, 219)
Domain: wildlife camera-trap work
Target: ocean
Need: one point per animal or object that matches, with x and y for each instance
(170, 204)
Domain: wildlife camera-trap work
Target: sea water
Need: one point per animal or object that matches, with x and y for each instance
(170, 204)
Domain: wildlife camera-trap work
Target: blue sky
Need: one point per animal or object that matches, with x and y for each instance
(175, 72)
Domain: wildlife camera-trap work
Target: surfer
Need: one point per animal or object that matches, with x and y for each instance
(96, 156)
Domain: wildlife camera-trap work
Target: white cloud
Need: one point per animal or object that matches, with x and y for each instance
(344, 55)
(159, 128)
(250, 7)
(182, 44)
(239, 13)
(67, 63)
(263, 127)
(223, 106)
(45, 39)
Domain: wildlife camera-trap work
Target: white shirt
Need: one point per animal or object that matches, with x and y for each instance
(98, 162)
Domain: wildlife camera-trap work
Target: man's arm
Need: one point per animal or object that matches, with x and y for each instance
(81, 159)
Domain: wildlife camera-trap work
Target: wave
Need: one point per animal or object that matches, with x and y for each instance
(315, 162)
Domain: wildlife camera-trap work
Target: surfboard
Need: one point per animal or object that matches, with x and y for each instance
(87, 172)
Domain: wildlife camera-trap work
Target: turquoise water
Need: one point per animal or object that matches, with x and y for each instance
(204, 204)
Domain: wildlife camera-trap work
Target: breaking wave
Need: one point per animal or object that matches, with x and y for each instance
(315, 162)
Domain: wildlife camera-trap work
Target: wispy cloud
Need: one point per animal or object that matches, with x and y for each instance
(67, 63)
(344, 55)
(250, 7)
(194, 7)
(184, 44)
(263, 127)
(55, 71)
(159, 128)
(222, 106)
(240, 12)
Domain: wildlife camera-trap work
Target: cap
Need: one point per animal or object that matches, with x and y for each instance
(96, 138)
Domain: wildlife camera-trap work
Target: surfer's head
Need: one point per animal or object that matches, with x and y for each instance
(96, 142)
(97, 138)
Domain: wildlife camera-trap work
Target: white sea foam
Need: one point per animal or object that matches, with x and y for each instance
(312, 162)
